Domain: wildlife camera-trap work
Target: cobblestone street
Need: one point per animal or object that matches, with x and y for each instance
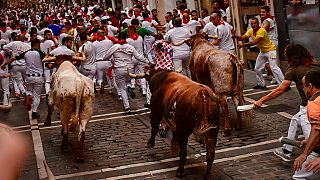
(114, 144)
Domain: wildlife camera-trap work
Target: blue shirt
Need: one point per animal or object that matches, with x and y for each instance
(55, 29)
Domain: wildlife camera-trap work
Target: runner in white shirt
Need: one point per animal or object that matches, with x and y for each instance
(122, 56)
(181, 54)
(136, 66)
(151, 25)
(4, 81)
(34, 79)
(195, 24)
(223, 32)
(101, 47)
(47, 46)
(18, 66)
(168, 24)
(205, 15)
(88, 66)
(210, 28)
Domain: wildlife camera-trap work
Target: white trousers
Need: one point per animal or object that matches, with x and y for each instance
(182, 61)
(123, 81)
(262, 59)
(88, 71)
(34, 88)
(137, 68)
(299, 119)
(47, 76)
(303, 174)
(19, 73)
(102, 68)
(5, 88)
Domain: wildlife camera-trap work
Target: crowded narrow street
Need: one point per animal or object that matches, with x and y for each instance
(115, 142)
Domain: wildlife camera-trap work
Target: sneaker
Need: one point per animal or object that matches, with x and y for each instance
(279, 152)
(110, 91)
(120, 98)
(127, 111)
(259, 87)
(273, 81)
(131, 92)
(35, 115)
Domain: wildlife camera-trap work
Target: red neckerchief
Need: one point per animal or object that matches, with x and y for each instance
(268, 16)
(307, 62)
(111, 38)
(3, 29)
(255, 32)
(122, 41)
(148, 19)
(137, 15)
(134, 36)
(101, 38)
(221, 23)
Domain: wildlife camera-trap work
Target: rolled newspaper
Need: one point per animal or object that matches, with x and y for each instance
(285, 140)
(245, 107)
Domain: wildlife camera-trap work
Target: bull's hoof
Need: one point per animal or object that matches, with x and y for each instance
(47, 123)
(80, 159)
(180, 172)
(149, 145)
(227, 132)
(64, 148)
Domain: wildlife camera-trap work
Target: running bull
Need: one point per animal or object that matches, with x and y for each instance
(73, 94)
(186, 107)
(221, 71)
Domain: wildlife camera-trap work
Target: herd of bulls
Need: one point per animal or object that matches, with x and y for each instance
(188, 106)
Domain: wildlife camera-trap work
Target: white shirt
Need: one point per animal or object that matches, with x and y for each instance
(168, 26)
(206, 19)
(89, 50)
(209, 29)
(223, 31)
(149, 25)
(47, 44)
(122, 55)
(176, 35)
(137, 44)
(62, 50)
(273, 32)
(112, 30)
(17, 48)
(101, 48)
(192, 26)
(34, 61)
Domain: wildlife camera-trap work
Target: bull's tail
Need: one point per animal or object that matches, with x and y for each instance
(75, 117)
(239, 76)
(203, 125)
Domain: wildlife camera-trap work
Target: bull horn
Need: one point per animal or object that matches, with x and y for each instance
(137, 76)
(49, 59)
(48, 171)
(180, 43)
(213, 36)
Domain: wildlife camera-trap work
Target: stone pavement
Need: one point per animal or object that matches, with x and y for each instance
(114, 144)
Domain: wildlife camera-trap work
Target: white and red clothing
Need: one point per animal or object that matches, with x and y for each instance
(164, 59)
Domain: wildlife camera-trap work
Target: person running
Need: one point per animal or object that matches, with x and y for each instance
(268, 52)
(122, 56)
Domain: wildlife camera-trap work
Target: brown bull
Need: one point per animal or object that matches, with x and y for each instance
(221, 71)
(186, 107)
